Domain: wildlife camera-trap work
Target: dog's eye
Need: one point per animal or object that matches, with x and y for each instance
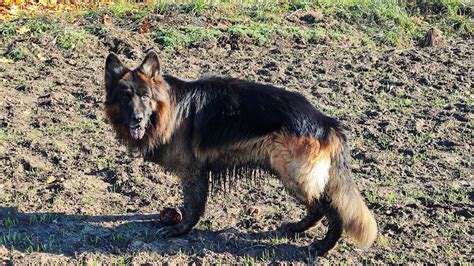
(145, 97)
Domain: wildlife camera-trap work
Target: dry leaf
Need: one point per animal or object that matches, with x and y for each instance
(145, 27)
(23, 30)
(41, 57)
(51, 180)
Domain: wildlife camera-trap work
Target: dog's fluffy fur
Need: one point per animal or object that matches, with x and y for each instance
(215, 124)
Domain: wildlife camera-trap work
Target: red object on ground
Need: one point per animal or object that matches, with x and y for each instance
(171, 216)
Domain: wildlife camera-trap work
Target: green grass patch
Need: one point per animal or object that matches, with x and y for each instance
(122, 8)
(184, 36)
(258, 32)
(69, 38)
(9, 222)
(15, 54)
(66, 37)
(41, 25)
(7, 31)
(385, 22)
(361, 22)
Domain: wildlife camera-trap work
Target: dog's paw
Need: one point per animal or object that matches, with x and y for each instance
(319, 248)
(172, 231)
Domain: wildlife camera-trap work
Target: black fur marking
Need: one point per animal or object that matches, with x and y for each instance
(231, 110)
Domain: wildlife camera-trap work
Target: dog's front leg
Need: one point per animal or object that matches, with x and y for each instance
(195, 189)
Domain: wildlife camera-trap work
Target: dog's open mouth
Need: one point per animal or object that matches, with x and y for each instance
(137, 132)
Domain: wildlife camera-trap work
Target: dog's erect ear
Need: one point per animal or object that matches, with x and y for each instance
(114, 70)
(150, 65)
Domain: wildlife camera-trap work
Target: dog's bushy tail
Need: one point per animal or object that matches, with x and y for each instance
(358, 221)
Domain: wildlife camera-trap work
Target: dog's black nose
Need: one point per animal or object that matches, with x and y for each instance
(137, 117)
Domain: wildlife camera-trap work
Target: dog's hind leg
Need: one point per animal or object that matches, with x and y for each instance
(321, 247)
(195, 191)
(314, 214)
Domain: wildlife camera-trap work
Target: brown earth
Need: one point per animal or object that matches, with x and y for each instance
(70, 193)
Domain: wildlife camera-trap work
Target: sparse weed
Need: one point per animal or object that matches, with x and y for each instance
(7, 136)
(391, 198)
(301, 5)
(15, 54)
(372, 198)
(7, 31)
(42, 218)
(276, 240)
(123, 261)
(383, 240)
(41, 25)
(196, 7)
(122, 8)
(259, 33)
(268, 255)
(160, 257)
(247, 260)
(69, 39)
(389, 182)
(9, 222)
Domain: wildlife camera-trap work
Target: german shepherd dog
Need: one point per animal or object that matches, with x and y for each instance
(211, 125)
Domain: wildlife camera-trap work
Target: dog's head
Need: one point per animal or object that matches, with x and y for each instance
(135, 99)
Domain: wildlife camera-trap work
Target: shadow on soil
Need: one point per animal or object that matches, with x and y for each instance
(59, 233)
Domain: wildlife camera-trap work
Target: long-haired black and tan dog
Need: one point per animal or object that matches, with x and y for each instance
(215, 124)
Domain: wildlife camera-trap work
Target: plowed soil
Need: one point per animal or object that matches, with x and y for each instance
(69, 192)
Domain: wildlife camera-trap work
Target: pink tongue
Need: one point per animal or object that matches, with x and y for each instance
(137, 133)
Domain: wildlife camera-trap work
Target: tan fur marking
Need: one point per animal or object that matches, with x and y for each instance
(359, 222)
(126, 75)
(333, 144)
(303, 163)
(157, 79)
(143, 77)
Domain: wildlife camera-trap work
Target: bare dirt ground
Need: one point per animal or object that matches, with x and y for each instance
(70, 193)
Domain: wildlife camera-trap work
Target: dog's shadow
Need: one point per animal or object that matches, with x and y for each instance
(59, 233)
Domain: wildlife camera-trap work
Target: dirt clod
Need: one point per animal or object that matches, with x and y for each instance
(311, 17)
(433, 37)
